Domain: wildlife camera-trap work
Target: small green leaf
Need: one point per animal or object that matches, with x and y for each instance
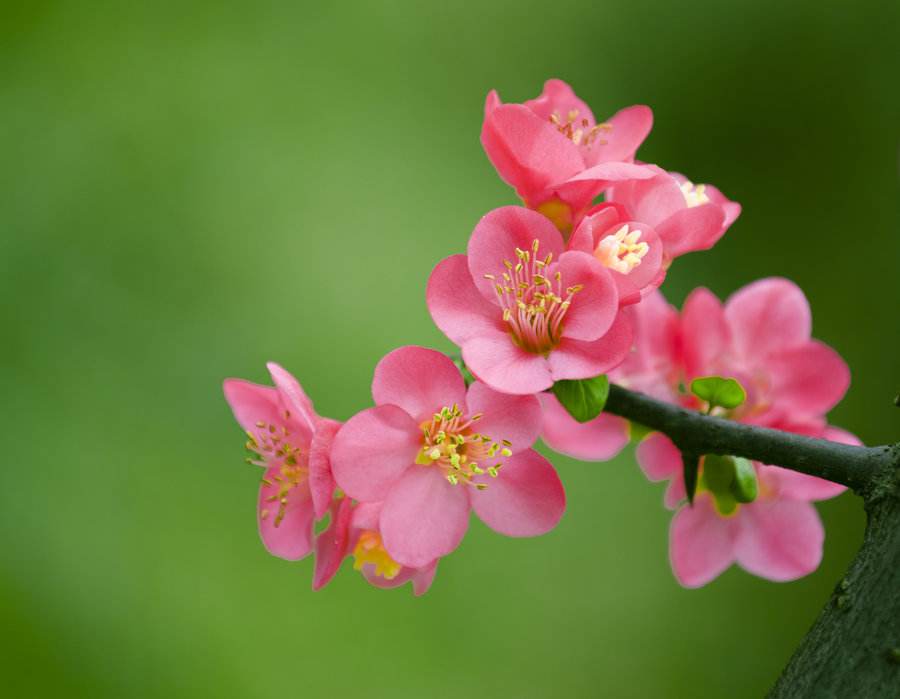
(745, 486)
(690, 465)
(716, 390)
(583, 398)
(718, 473)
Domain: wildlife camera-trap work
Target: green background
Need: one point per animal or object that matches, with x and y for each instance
(190, 189)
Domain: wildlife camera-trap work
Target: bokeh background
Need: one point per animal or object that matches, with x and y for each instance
(190, 189)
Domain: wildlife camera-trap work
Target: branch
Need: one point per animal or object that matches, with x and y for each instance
(695, 433)
(853, 648)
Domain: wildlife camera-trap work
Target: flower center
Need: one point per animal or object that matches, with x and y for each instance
(271, 447)
(450, 443)
(621, 251)
(579, 131)
(533, 306)
(694, 195)
(370, 551)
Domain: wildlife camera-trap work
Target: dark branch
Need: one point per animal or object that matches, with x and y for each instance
(695, 433)
(853, 649)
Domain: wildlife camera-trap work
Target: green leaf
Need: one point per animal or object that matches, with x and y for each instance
(583, 398)
(690, 464)
(720, 391)
(718, 473)
(745, 486)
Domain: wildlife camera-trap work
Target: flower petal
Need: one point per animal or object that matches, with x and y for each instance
(560, 99)
(779, 540)
(331, 544)
(768, 315)
(594, 307)
(372, 450)
(290, 538)
(526, 499)
(791, 485)
(516, 419)
(503, 366)
(704, 333)
(529, 153)
(497, 236)
(252, 403)
(456, 305)
(701, 543)
(424, 517)
(650, 200)
(293, 397)
(690, 229)
(419, 380)
(658, 457)
(423, 578)
(321, 481)
(808, 379)
(574, 359)
(598, 440)
(630, 127)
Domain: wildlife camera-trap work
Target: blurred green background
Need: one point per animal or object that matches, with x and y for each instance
(190, 189)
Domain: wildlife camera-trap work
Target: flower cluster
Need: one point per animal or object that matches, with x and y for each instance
(562, 289)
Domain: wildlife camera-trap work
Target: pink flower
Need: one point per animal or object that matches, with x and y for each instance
(354, 531)
(686, 216)
(292, 444)
(430, 451)
(525, 312)
(556, 155)
(630, 250)
(761, 337)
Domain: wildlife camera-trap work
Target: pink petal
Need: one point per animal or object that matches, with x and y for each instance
(593, 228)
(636, 283)
(704, 332)
(768, 315)
(731, 208)
(836, 434)
(516, 419)
(658, 457)
(593, 308)
(559, 98)
(321, 482)
(630, 127)
(252, 403)
(808, 379)
(779, 540)
(331, 544)
(372, 450)
(292, 538)
(690, 229)
(526, 499)
(791, 485)
(403, 576)
(656, 345)
(366, 515)
(496, 237)
(505, 367)
(651, 200)
(491, 102)
(675, 493)
(610, 173)
(423, 578)
(424, 517)
(419, 380)
(456, 305)
(528, 152)
(701, 544)
(294, 398)
(598, 440)
(574, 359)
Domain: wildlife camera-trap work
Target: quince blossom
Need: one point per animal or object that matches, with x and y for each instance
(525, 311)
(762, 338)
(686, 216)
(430, 451)
(556, 155)
(354, 532)
(292, 443)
